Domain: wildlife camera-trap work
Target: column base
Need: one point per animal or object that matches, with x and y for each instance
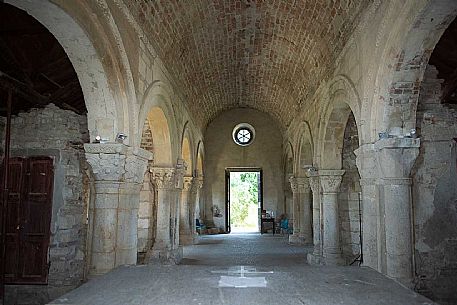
(186, 240)
(165, 256)
(195, 238)
(295, 239)
(306, 240)
(314, 259)
(333, 260)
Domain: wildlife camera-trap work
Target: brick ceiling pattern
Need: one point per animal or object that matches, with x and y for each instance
(267, 55)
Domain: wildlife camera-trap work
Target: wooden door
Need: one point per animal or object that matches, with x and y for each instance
(29, 219)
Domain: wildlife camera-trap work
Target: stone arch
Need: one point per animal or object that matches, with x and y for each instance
(157, 122)
(200, 157)
(288, 172)
(394, 109)
(187, 153)
(187, 150)
(108, 111)
(157, 111)
(289, 157)
(343, 100)
(304, 149)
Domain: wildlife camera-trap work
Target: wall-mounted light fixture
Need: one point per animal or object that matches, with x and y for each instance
(120, 137)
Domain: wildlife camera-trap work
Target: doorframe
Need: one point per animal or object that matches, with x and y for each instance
(228, 170)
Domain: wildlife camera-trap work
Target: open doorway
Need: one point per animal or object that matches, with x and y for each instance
(243, 199)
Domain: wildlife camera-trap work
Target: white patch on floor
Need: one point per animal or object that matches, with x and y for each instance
(242, 282)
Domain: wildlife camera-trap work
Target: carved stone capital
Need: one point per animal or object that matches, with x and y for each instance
(117, 162)
(136, 165)
(187, 183)
(181, 168)
(396, 156)
(331, 180)
(366, 160)
(313, 178)
(293, 184)
(303, 185)
(197, 184)
(163, 177)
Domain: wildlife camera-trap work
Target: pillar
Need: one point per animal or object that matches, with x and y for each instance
(118, 172)
(164, 180)
(195, 190)
(330, 182)
(306, 235)
(396, 156)
(315, 257)
(185, 233)
(372, 223)
(295, 236)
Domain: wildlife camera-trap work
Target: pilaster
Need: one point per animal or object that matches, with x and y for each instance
(304, 192)
(373, 245)
(185, 233)
(396, 157)
(118, 172)
(315, 258)
(295, 236)
(164, 179)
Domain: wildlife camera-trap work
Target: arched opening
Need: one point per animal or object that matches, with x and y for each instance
(200, 211)
(186, 155)
(434, 189)
(186, 208)
(341, 186)
(349, 196)
(48, 210)
(305, 162)
(288, 173)
(156, 139)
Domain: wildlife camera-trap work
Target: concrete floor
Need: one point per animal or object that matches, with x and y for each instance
(216, 261)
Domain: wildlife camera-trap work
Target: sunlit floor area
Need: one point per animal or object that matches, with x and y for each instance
(242, 269)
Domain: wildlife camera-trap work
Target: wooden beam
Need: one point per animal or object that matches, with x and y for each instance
(23, 90)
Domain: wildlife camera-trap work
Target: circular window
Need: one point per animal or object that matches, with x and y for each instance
(243, 134)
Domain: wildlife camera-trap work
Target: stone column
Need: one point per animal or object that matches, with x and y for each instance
(305, 211)
(396, 157)
(195, 192)
(164, 180)
(185, 233)
(371, 220)
(295, 236)
(118, 176)
(181, 168)
(315, 257)
(330, 181)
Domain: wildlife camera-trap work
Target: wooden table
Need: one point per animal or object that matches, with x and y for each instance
(264, 220)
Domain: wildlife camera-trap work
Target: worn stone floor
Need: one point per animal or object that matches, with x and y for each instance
(277, 270)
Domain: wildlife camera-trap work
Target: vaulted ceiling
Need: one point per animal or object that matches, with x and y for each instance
(268, 55)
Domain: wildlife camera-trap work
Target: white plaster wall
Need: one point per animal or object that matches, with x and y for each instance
(222, 152)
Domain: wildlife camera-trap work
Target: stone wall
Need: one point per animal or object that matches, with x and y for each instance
(435, 195)
(348, 199)
(222, 152)
(60, 134)
(147, 212)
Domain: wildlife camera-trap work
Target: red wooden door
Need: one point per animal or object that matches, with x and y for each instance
(29, 219)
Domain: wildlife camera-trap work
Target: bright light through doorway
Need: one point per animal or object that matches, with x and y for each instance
(244, 201)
